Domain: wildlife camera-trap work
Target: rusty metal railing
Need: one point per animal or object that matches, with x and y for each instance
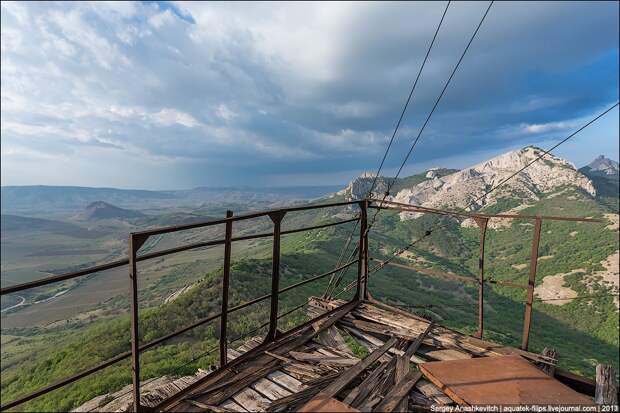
(482, 221)
(137, 239)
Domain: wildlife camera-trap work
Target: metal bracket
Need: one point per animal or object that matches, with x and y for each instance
(277, 216)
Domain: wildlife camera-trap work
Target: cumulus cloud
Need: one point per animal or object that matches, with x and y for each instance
(260, 89)
(535, 129)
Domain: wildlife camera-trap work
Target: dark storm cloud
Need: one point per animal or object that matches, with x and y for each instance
(264, 89)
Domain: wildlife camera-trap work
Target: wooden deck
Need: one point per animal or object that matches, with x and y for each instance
(315, 364)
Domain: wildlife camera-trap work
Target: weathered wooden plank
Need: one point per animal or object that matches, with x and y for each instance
(269, 389)
(373, 343)
(360, 392)
(263, 364)
(549, 369)
(290, 403)
(401, 371)
(232, 406)
(216, 388)
(606, 388)
(208, 407)
(369, 404)
(398, 392)
(251, 400)
(433, 392)
(290, 362)
(402, 368)
(286, 381)
(323, 359)
(384, 330)
(332, 338)
(446, 337)
(418, 341)
(300, 374)
(348, 375)
(334, 351)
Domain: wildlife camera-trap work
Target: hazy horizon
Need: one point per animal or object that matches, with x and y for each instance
(243, 186)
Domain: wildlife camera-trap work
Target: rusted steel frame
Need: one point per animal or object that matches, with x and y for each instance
(135, 242)
(527, 319)
(366, 291)
(276, 217)
(62, 277)
(318, 277)
(225, 286)
(120, 263)
(397, 206)
(251, 215)
(361, 277)
(482, 224)
(293, 231)
(416, 208)
(166, 404)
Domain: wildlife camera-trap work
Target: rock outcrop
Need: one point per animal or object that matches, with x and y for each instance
(604, 166)
(464, 188)
(359, 187)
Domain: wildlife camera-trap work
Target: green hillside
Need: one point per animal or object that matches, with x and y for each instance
(585, 332)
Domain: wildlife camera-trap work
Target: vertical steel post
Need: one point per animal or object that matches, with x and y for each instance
(276, 217)
(135, 242)
(366, 275)
(482, 224)
(225, 286)
(361, 264)
(527, 320)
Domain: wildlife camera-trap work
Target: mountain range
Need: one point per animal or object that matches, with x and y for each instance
(467, 188)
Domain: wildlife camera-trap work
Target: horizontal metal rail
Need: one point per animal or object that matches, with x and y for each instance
(63, 277)
(151, 255)
(420, 209)
(174, 228)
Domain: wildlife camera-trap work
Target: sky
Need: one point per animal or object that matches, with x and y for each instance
(172, 95)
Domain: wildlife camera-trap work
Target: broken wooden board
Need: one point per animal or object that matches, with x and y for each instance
(329, 405)
(442, 336)
(332, 338)
(232, 406)
(433, 392)
(398, 392)
(251, 400)
(499, 380)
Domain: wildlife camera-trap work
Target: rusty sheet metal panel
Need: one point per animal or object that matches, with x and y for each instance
(499, 380)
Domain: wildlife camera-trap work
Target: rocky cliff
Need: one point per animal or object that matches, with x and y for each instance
(462, 189)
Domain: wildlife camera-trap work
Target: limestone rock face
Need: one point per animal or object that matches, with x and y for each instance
(604, 165)
(462, 189)
(359, 187)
